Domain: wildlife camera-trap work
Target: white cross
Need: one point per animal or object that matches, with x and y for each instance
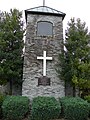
(44, 58)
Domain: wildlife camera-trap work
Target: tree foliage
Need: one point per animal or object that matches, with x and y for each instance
(11, 46)
(74, 60)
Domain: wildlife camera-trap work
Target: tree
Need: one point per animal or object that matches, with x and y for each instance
(74, 60)
(11, 47)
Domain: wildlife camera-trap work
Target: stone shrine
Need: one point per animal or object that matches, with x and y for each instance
(44, 36)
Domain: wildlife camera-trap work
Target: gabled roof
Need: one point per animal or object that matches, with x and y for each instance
(45, 11)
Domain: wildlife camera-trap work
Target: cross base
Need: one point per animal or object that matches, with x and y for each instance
(43, 81)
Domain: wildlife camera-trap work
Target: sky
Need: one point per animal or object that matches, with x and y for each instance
(72, 8)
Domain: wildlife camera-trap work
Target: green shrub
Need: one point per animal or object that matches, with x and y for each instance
(75, 108)
(2, 97)
(71, 99)
(87, 98)
(45, 108)
(15, 107)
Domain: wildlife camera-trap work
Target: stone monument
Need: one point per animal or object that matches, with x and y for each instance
(44, 36)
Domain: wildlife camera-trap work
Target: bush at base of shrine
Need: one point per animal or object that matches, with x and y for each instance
(45, 108)
(75, 108)
(2, 97)
(15, 107)
(87, 98)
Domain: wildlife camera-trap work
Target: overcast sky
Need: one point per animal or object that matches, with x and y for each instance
(72, 8)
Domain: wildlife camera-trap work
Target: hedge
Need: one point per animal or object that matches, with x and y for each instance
(88, 100)
(2, 97)
(15, 107)
(74, 108)
(45, 108)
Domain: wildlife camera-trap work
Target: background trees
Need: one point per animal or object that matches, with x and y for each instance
(74, 60)
(11, 47)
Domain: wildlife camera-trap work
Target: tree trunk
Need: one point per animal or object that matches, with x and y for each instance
(10, 87)
(74, 91)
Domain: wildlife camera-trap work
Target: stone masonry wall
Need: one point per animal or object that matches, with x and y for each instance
(34, 46)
